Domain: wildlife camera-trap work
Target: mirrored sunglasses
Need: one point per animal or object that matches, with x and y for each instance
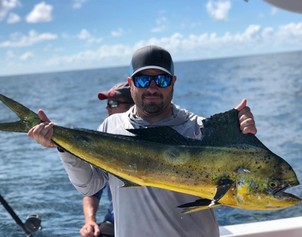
(144, 81)
(114, 103)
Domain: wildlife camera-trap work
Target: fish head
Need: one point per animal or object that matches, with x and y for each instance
(263, 187)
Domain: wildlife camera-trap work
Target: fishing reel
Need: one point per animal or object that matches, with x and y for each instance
(32, 224)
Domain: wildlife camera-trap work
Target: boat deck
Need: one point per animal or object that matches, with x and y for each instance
(289, 227)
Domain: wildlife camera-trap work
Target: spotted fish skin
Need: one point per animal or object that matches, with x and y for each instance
(226, 167)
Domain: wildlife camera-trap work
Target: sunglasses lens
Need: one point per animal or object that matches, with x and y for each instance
(143, 81)
(112, 103)
(163, 80)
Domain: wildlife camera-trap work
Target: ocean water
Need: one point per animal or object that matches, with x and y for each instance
(33, 180)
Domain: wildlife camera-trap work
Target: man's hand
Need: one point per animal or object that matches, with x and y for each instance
(42, 132)
(90, 229)
(246, 118)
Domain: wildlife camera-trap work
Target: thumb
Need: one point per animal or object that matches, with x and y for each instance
(241, 105)
(43, 116)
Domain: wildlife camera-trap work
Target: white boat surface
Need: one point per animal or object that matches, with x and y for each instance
(287, 227)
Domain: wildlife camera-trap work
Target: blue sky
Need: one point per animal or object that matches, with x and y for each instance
(59, 35)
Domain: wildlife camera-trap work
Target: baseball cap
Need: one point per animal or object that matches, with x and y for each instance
(151, 57)
(117, 92)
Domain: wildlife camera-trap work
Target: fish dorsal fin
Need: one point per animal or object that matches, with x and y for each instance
(163, 134)
(223, 129)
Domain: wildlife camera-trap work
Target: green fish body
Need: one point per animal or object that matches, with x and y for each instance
(226, 167)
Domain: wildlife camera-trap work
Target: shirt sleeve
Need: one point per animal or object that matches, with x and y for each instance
(86, 178)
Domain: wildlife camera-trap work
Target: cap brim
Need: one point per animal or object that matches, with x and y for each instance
(102, 96)
(151, 67)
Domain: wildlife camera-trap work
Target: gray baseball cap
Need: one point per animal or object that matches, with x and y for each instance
(151, 57)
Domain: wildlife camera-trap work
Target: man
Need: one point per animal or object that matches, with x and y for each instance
(118, 100)
(146, 211)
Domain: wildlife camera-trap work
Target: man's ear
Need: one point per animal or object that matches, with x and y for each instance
(130, 81)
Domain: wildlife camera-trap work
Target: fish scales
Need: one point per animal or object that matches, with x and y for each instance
(226, 167)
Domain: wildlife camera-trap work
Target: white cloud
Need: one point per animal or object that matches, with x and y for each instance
(205, 45)
(117, 33)
(219, 9)
(13, 18)
(291, 32)
(41, 13)
(105, 52)
(6, 6)
(77, 4)
(19, 41)
(187, 47)
(86, 36)
(160, 25)
(25, 56)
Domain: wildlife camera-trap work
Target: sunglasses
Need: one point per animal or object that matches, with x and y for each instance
(114, 103)
(144, 81)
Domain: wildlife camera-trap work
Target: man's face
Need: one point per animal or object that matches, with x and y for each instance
(152, 100)
(119, 106)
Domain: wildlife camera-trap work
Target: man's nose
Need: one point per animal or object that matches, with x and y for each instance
(153, 84)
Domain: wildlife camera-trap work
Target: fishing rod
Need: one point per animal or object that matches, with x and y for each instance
(32, 222)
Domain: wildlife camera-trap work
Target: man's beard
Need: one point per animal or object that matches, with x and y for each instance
(152, 108)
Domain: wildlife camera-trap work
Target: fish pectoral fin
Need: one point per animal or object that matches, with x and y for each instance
(198, 205)
(223, 187)
(202, 204)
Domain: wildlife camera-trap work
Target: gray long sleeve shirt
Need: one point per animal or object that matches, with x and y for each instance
(145, 211)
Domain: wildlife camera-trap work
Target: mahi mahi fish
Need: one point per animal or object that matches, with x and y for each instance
(226, 167)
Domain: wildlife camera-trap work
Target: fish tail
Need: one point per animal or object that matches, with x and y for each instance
(28, 118)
